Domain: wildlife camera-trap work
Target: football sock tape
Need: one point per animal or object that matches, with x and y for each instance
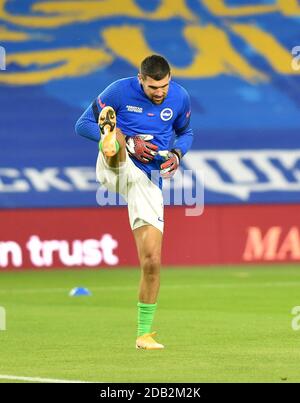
(145, 317)
(117, 146)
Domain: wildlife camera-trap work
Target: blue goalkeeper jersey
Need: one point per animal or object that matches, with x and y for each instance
(136, 114)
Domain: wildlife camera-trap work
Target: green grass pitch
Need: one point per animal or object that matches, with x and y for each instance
(218, 325)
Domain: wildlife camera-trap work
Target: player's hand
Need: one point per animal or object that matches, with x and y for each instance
(170, 166)
(141, 148)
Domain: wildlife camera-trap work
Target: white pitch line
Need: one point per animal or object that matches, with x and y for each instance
(42, 380)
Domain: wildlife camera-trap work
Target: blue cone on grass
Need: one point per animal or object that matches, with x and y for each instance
(80, 292)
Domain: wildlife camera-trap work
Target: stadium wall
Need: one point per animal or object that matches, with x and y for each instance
(99, 237)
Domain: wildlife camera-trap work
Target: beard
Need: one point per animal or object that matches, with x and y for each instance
(158, 101)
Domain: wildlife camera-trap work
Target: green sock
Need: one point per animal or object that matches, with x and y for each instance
(145, 317)
(117, 146)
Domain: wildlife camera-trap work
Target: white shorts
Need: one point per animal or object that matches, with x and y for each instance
(144, 198)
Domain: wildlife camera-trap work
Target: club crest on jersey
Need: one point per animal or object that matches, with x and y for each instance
(166, 114)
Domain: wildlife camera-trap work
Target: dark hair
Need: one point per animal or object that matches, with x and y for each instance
(155, 66)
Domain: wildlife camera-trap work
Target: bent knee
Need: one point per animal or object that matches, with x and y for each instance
(151, 264)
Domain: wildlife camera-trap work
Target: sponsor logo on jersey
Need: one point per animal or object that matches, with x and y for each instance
(135, 109)
(166, 114)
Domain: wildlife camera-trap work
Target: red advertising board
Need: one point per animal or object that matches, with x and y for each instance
(99, 237)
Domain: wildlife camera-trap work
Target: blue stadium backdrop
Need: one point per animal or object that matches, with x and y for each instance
(239, 60)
